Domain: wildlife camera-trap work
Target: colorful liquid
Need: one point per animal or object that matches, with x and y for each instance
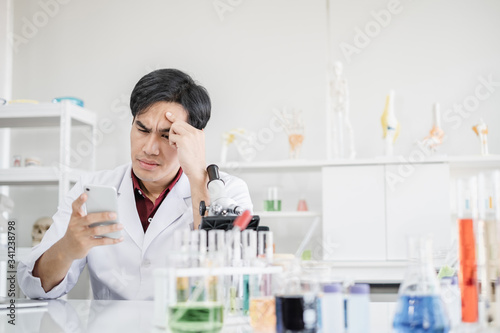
(263, 314)
(272, 205)
(421, 314)
(196, 317)
(296, 314)
(467, 274)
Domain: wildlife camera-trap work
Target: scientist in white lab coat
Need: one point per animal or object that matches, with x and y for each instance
(159, 192)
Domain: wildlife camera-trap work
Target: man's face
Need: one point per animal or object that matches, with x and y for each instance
(153, 159)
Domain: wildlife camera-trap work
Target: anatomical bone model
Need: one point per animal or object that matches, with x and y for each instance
(343, 135)
(390, 125)
(244, 141)
(481, 131)
(39, 228)
(436, 134)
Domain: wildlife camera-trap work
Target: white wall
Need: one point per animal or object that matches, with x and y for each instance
(266, 54)
(430, 51)
(257, 58)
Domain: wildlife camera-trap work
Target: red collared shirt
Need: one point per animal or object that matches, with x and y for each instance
(145, 207)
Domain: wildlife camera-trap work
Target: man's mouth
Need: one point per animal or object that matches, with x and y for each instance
(148, 165)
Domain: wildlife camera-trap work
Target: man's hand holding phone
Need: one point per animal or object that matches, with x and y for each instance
(88, 230)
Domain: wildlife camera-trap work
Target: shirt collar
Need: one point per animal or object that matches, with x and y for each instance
(137, 186)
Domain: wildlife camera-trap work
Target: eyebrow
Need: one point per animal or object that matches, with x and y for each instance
(142, 126)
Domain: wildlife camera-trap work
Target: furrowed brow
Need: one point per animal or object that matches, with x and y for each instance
(142, 126)
(165, 130)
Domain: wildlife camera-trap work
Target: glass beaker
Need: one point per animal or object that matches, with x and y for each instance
(420, 307)
(273, 201)
(262, 304)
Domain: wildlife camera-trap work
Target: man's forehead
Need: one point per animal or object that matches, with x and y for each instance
(163, 107)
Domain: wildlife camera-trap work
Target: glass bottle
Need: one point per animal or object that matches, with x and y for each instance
(487, 246)
(297, 306)
(420, 307)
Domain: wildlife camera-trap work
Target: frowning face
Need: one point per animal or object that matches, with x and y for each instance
(153, 159)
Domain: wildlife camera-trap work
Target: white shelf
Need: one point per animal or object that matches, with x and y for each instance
(475, 161)
(472, 161)
(43, 115)
(285, 165)
(35, 176)
(287, 214)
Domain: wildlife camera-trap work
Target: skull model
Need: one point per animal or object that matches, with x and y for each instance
(39, 228)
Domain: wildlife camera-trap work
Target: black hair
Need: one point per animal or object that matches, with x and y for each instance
(172, 85)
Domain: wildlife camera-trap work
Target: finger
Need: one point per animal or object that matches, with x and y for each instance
(173, 139)
(77, 205)
(100, 217)
(105, 229)
(181, 127)
(106, 241)
(170, 117)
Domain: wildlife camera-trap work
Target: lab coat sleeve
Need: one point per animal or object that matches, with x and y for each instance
(237, 190)
(31, 285)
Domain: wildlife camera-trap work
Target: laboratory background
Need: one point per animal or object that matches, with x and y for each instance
(355, 124)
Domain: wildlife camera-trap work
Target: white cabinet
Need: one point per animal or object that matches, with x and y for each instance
(367, 216)
(354, 213)
(418, 205)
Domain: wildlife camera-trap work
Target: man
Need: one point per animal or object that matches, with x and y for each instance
(159, 192)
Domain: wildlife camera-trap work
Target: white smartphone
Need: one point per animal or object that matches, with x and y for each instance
(100, 199)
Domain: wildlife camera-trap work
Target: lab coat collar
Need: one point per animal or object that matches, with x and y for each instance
(126, 204)
(171, 209)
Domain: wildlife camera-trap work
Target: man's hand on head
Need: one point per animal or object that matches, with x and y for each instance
(190, 144)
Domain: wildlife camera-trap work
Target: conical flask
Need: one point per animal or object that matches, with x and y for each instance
(420, 307)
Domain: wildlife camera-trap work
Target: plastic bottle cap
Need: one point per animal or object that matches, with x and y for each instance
(454, 280)
(243, 220)
(262, 228)
(360, 288)
(332, 288)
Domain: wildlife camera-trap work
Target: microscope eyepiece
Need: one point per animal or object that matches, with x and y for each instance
(213, 172)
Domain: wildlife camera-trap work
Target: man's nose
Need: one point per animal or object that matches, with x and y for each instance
(151, 147)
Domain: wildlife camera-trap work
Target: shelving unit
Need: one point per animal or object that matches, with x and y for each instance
(472, 161)
(64, 116)
(386, 267)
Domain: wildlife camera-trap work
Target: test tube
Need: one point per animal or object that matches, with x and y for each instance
(265, 245)
(249, 241)
(467, 215)
(233, 241)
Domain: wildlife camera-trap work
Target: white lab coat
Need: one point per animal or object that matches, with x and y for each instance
(124, 270)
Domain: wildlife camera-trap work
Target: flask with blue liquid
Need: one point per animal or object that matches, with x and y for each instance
(420, 308)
